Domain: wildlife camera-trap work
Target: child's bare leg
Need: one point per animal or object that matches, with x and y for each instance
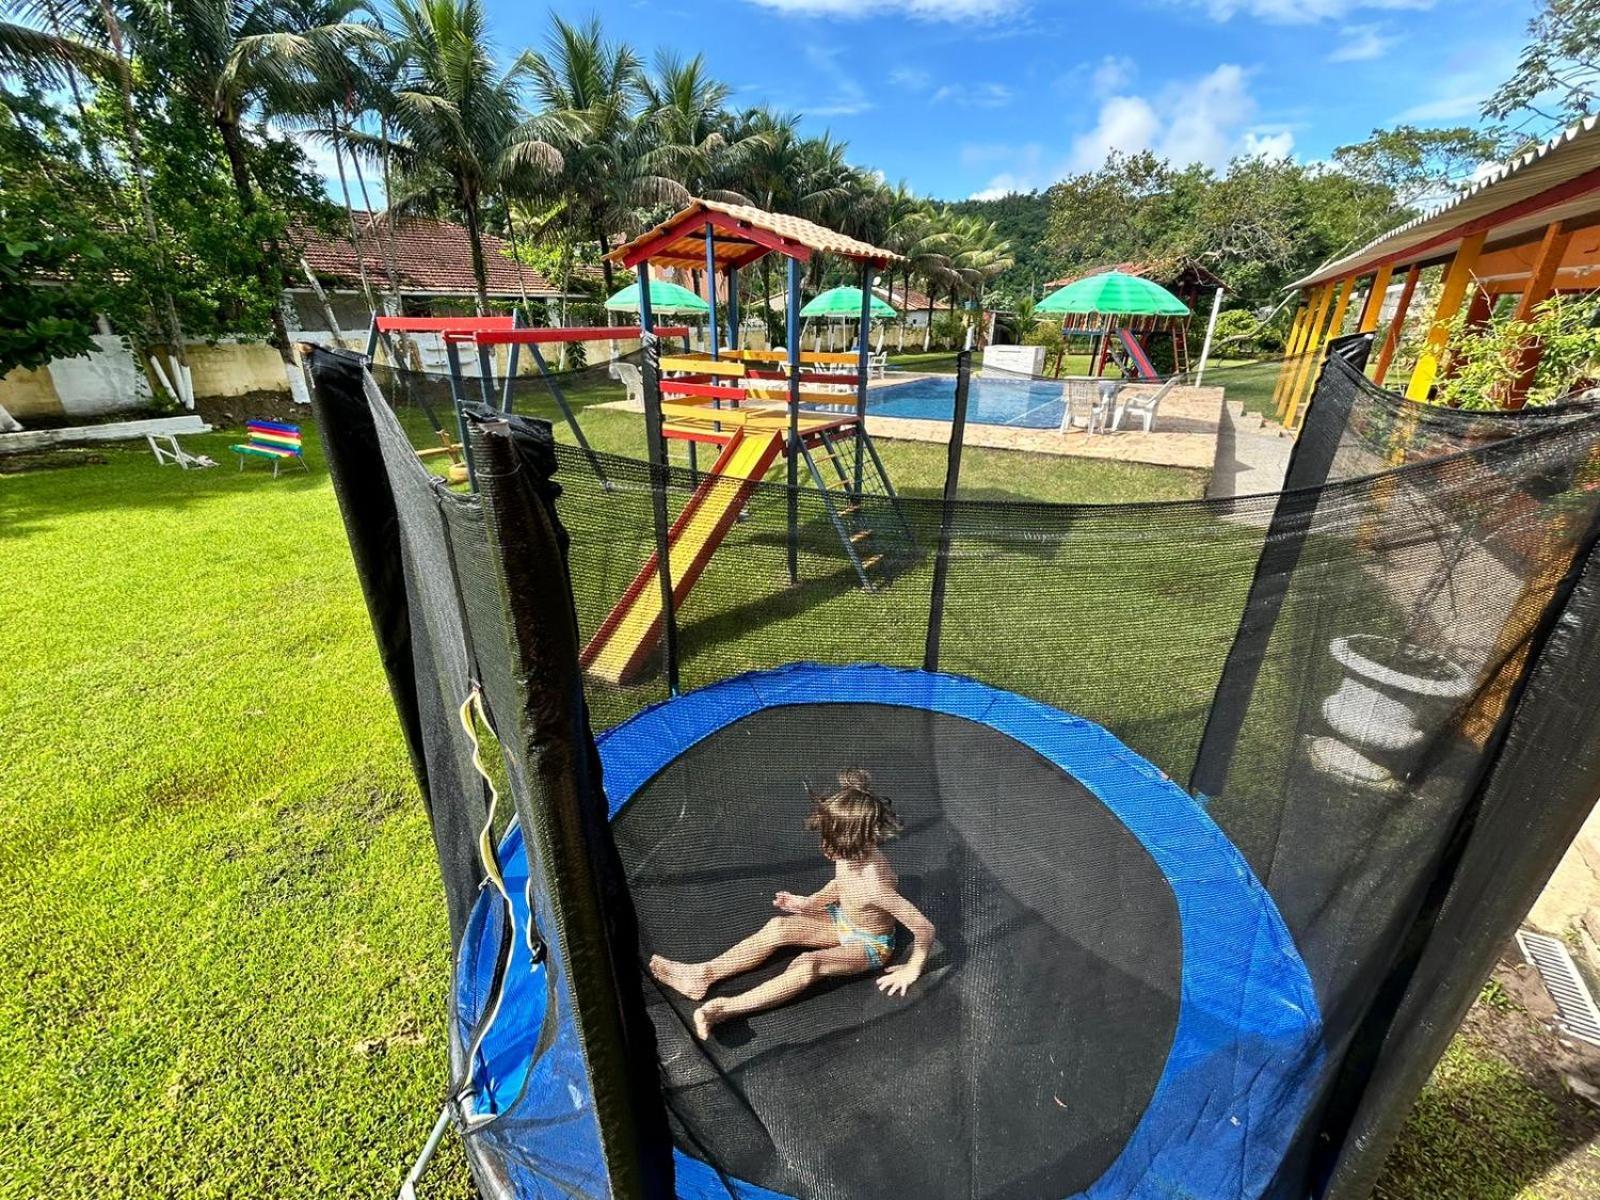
(695, 979)
(801, 974)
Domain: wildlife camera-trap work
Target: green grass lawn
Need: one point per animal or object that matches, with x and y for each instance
(221, 929)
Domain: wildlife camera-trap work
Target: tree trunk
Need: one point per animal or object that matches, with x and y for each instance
(233, 146)
(605, 269)
(480, 271)
(322, 299)
(927, 334)
(350, 215)
(8, 423)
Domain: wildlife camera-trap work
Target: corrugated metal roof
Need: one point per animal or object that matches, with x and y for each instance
(689, 250)
(1570, 154)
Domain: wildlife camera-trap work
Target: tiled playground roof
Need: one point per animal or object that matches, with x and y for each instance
(1557, 180)
(731, 247)
(433, 258)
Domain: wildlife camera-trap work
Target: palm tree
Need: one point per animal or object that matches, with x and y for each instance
(459, 116)
(590, 94)
(702, 146)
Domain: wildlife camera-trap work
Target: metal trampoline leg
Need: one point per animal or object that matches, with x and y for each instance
(408, 1189)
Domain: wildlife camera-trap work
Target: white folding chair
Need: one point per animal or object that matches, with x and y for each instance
(174, 454)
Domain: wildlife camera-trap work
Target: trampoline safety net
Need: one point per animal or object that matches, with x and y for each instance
(1219, 811)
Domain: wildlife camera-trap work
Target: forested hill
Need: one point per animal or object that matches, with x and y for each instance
(1022, 219)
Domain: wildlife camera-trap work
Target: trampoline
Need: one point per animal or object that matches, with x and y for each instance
(1113, 1006)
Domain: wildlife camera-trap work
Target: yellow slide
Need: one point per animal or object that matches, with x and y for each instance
(628, 636)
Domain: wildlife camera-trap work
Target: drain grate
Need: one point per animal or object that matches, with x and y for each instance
(1579, 1015)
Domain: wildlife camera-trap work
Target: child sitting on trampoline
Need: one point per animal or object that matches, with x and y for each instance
(848, 928)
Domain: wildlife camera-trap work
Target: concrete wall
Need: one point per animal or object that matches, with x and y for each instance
(104, 381)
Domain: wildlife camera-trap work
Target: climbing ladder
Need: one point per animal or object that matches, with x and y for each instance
(869, 519)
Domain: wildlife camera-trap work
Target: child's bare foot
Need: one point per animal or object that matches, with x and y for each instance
(687, 979)
(705, 1017)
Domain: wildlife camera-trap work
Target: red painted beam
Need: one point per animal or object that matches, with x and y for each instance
(596, 333)
(462, 325)
(679, 387)
(806, 377)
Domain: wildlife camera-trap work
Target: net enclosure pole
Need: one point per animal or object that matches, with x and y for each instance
(952, 486)
(793, 307)
(733, 309)
(512, 357)
(452, 356)
(568, 415)
(656, 439)
(863, 351)
(1211, 328)
(1309, 464)
(711, 294)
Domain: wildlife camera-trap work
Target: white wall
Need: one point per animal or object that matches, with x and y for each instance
(103, 381)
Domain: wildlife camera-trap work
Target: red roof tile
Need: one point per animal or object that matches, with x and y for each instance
(433, 258)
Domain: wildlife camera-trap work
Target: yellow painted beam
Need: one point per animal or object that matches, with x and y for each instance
(1457, 279)
(701, 366)
(1291, 347)
(1373, 308)
(1310, 344)
(1322, 337)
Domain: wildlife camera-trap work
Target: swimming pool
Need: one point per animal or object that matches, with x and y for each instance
(1030, 404)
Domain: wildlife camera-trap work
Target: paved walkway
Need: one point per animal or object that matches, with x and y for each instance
(1252, 455)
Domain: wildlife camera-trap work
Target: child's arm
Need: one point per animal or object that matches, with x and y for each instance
(897, 980)
(806, 905)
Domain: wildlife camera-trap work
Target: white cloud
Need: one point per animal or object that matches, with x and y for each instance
(922, 10)
(846, 97)
(1111, 74)
(911, 79)
(1204, 121)
(1361, 43)
(976, 95)
(1209, 120)
(1303, 12)
(1274, 146)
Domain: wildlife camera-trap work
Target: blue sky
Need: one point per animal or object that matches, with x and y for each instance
(976, 97)
(966, 97)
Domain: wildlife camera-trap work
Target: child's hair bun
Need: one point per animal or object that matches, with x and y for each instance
(856, 779)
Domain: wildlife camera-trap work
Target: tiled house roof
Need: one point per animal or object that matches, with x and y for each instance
(434, 258)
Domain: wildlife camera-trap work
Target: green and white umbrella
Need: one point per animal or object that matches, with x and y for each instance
(666, 298)
(1113, 294)
(844, 302)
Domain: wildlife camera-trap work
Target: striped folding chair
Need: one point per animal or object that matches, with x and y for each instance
(271, 440)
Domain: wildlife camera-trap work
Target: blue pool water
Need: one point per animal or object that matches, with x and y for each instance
(1031, 404)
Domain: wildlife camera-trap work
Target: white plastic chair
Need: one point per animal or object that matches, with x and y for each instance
(1088, 402)
(877, 366)
(631, 379)
(172, 453)
(1144, 406)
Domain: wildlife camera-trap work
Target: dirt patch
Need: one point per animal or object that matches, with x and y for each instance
(52, 458)
(231, 412)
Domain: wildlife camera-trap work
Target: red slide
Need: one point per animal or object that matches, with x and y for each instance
(1141, 360)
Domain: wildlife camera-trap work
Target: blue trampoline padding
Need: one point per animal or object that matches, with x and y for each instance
(1247, 1051)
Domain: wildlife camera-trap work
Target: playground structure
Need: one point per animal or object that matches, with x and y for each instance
(754, 406)
(1121, 313)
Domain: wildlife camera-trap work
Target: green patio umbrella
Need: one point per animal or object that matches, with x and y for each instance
(844, 302)
(1114, 294)
(665, 298)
